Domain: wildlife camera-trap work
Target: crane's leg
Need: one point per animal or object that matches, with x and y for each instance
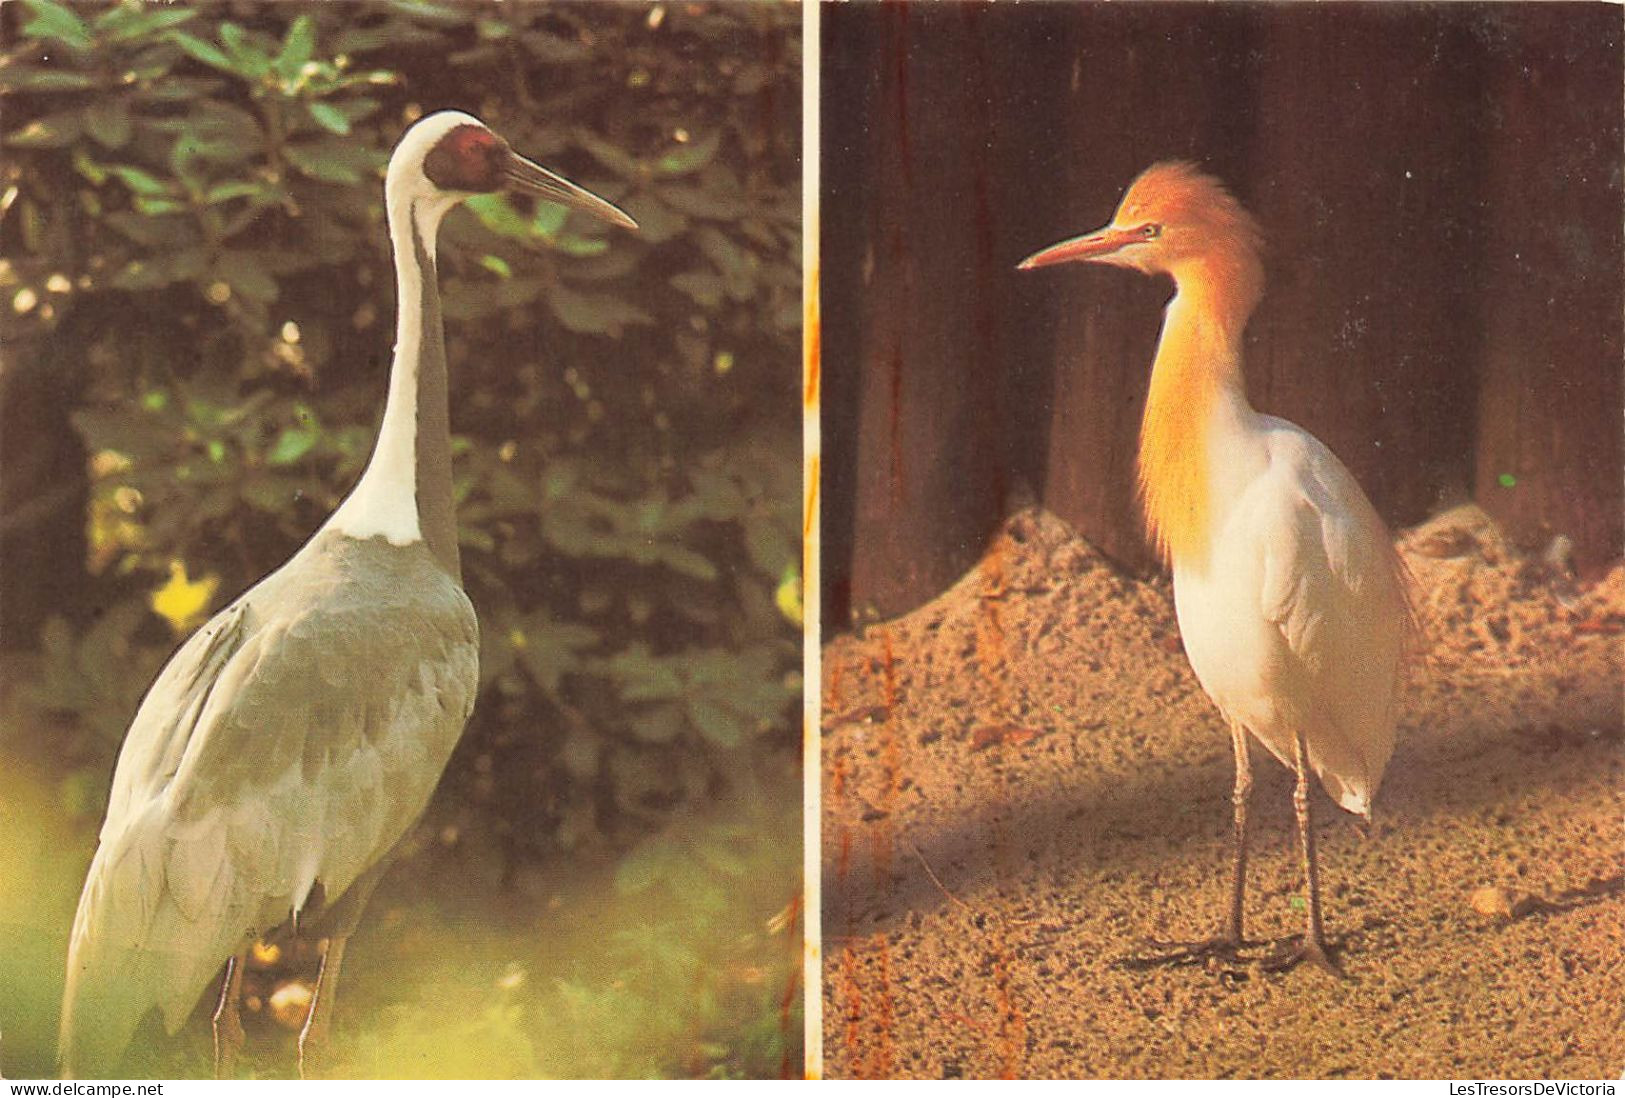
(1312, 947)
(228, 1022)
(318, 1023)
(1228, 943)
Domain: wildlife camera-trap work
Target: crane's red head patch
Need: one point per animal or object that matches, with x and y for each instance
(468, 158)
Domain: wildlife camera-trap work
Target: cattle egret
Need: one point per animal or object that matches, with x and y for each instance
(1290, 597)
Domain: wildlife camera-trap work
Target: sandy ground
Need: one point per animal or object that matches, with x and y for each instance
(1023, 781)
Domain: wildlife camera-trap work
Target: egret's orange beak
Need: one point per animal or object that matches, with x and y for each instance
(1090, 246)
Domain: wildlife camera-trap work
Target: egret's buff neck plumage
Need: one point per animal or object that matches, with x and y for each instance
(410, 467)
(1211, 248)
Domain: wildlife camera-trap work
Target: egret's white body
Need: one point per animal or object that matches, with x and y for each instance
(289, 744)
(1290, 597)
(1296, 622)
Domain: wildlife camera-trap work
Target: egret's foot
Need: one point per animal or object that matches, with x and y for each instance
(1299, 950)
(1221, 949)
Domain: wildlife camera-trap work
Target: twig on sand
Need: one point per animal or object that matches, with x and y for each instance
(942, 888)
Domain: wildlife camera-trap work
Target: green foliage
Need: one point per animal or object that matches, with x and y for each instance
(686, 961)
(193, 207)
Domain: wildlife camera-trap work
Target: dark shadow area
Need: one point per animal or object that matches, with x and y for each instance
(1128, 825)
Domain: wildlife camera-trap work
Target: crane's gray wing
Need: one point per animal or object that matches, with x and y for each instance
(294, 739)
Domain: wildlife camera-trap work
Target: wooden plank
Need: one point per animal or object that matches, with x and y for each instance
(1365, 179)
(1548, 444)
(1148, 83)
(938, 444)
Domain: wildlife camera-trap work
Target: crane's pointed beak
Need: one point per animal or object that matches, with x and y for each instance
(1089, 247)
(531, 178)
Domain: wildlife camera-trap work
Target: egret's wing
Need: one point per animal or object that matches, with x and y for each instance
(303, 750)
(1331, 586)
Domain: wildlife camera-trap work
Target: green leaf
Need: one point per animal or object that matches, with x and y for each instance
(549, 219)
(690, 157)
(552, 49)
(549, 650)
(705, 287)
(88, 168)
(497, 214)
(152, 232)
(270, 493)
(716, 723)
(702, 201)
(28, 78)
(332, 161)
(52, 20)
(219, 133)
(769, 547)
(650, 862)
(642, 677)
(581, 246)
(178, 89)
(657, 222)
(178, 266)
(138, 180)
(594, 314)
(202, 51)
(687, 562)
(434, 13)
(50, 132)
(496, 265)
(125, 22)
(610, 156)
(329, 117)
(359, 40)
(298, 47)
(108, 121)
(248, 59)
(149, 206)
(660, 725)
(242, 188)
(292, 444)
(243, 272)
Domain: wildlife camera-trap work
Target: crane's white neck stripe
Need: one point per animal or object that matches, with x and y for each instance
(384, 502)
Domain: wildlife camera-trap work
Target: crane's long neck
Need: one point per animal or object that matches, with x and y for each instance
(406, 492)
(1196, 389)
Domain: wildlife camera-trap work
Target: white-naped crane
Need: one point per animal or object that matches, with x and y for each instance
(289, 744)
(1291, 600)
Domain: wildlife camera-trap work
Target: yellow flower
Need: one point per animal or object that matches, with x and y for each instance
(788, 595)
(182, 602)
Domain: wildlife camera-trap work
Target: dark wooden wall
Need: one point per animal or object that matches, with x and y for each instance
(1440, 187)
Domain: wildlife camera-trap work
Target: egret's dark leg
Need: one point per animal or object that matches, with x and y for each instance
(1238, 802)
(1312, 947)
(228, 1023)
(319, 1022)
(1227, 944)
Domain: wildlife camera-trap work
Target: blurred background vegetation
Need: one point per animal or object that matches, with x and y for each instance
(197, 308)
